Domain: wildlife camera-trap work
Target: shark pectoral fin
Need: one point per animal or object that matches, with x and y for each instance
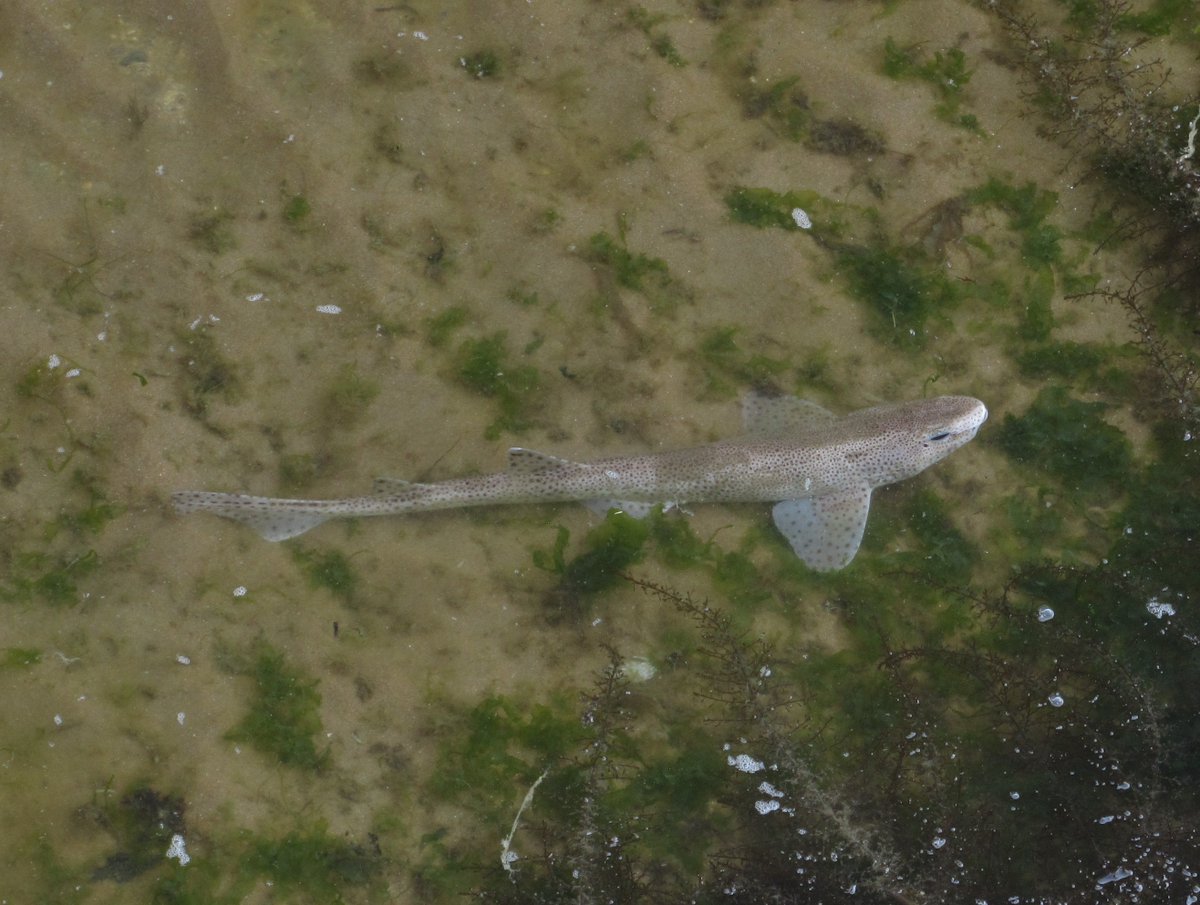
(773, 416)
(528, 461)
(629, 507)
(825, 531)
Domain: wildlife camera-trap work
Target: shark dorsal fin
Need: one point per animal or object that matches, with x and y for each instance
(528, 461)
(772, 416)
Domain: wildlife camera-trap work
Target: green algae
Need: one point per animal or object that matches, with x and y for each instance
(330, 570)
(728, 368)
(483, 366)
(481, 64)
(632, 270)
(36, 576)
(314, 863)
(660, 41)
(762, 208)
(94, 516)
(205, 373)
(141, 823)
(284, 714)
(946, 71)
(19, 657)
(1027, 207)
(297, 210)
(441, 327)
(608, 550)
(903, 289)
(348, 397)
(211, 230)
(1068, 439)
(782, 103)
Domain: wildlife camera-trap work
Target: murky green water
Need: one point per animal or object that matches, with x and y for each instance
(283, 248)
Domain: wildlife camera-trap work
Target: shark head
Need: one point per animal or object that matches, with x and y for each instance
(911, 436)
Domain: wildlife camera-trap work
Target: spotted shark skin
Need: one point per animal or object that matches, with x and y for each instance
(819, 470)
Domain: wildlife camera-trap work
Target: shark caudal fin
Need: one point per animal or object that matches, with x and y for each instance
(274, 520)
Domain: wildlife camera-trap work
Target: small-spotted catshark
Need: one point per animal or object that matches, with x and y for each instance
(817, 468)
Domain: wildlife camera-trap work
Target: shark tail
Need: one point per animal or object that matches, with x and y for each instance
(273, 519)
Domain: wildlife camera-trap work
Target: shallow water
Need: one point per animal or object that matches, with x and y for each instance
(282, 248)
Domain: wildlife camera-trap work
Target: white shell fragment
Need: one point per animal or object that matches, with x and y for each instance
(746, 763)
(178, 850)
(800, 216)
(1158, 609)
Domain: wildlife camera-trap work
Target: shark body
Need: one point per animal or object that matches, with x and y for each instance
(818, 469)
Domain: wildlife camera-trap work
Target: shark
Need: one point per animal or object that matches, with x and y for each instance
(818, 469)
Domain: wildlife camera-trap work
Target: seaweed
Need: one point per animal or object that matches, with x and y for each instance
(726, 366)
(284, 716)
(946, 71)
(348, 397)
(205, 373)
(440, 327)
(660, 41)
(330, 570)
(482, 64)
(1027, 207)
(783, 103)
(633, 271)
(297, 210)
(608, 550)
(211, 231)
(1069, 440)
(899, 286)
(19, 657)
(482, 365)
(313, 862)
(141, 823)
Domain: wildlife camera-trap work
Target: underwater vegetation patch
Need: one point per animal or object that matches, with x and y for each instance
(901, 288)
(330, 570)
(440, 327)
(635, 271)
(284, 714)
(483, 366)
(946, 71)
(36, 576)
(314, 863)
(764, 208)
(305, 863)
(1027, 208)
(19, 657)
(296, 210)
(92, 518)
(211, 231)
(1069, 440)
(205, 373)
(660, 41)
(727, 367)
(782, 103)
(608, 550)
(348, 396)
(482, 64)
(141, 823)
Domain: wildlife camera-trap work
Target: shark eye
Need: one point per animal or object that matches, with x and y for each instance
(937, 437)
